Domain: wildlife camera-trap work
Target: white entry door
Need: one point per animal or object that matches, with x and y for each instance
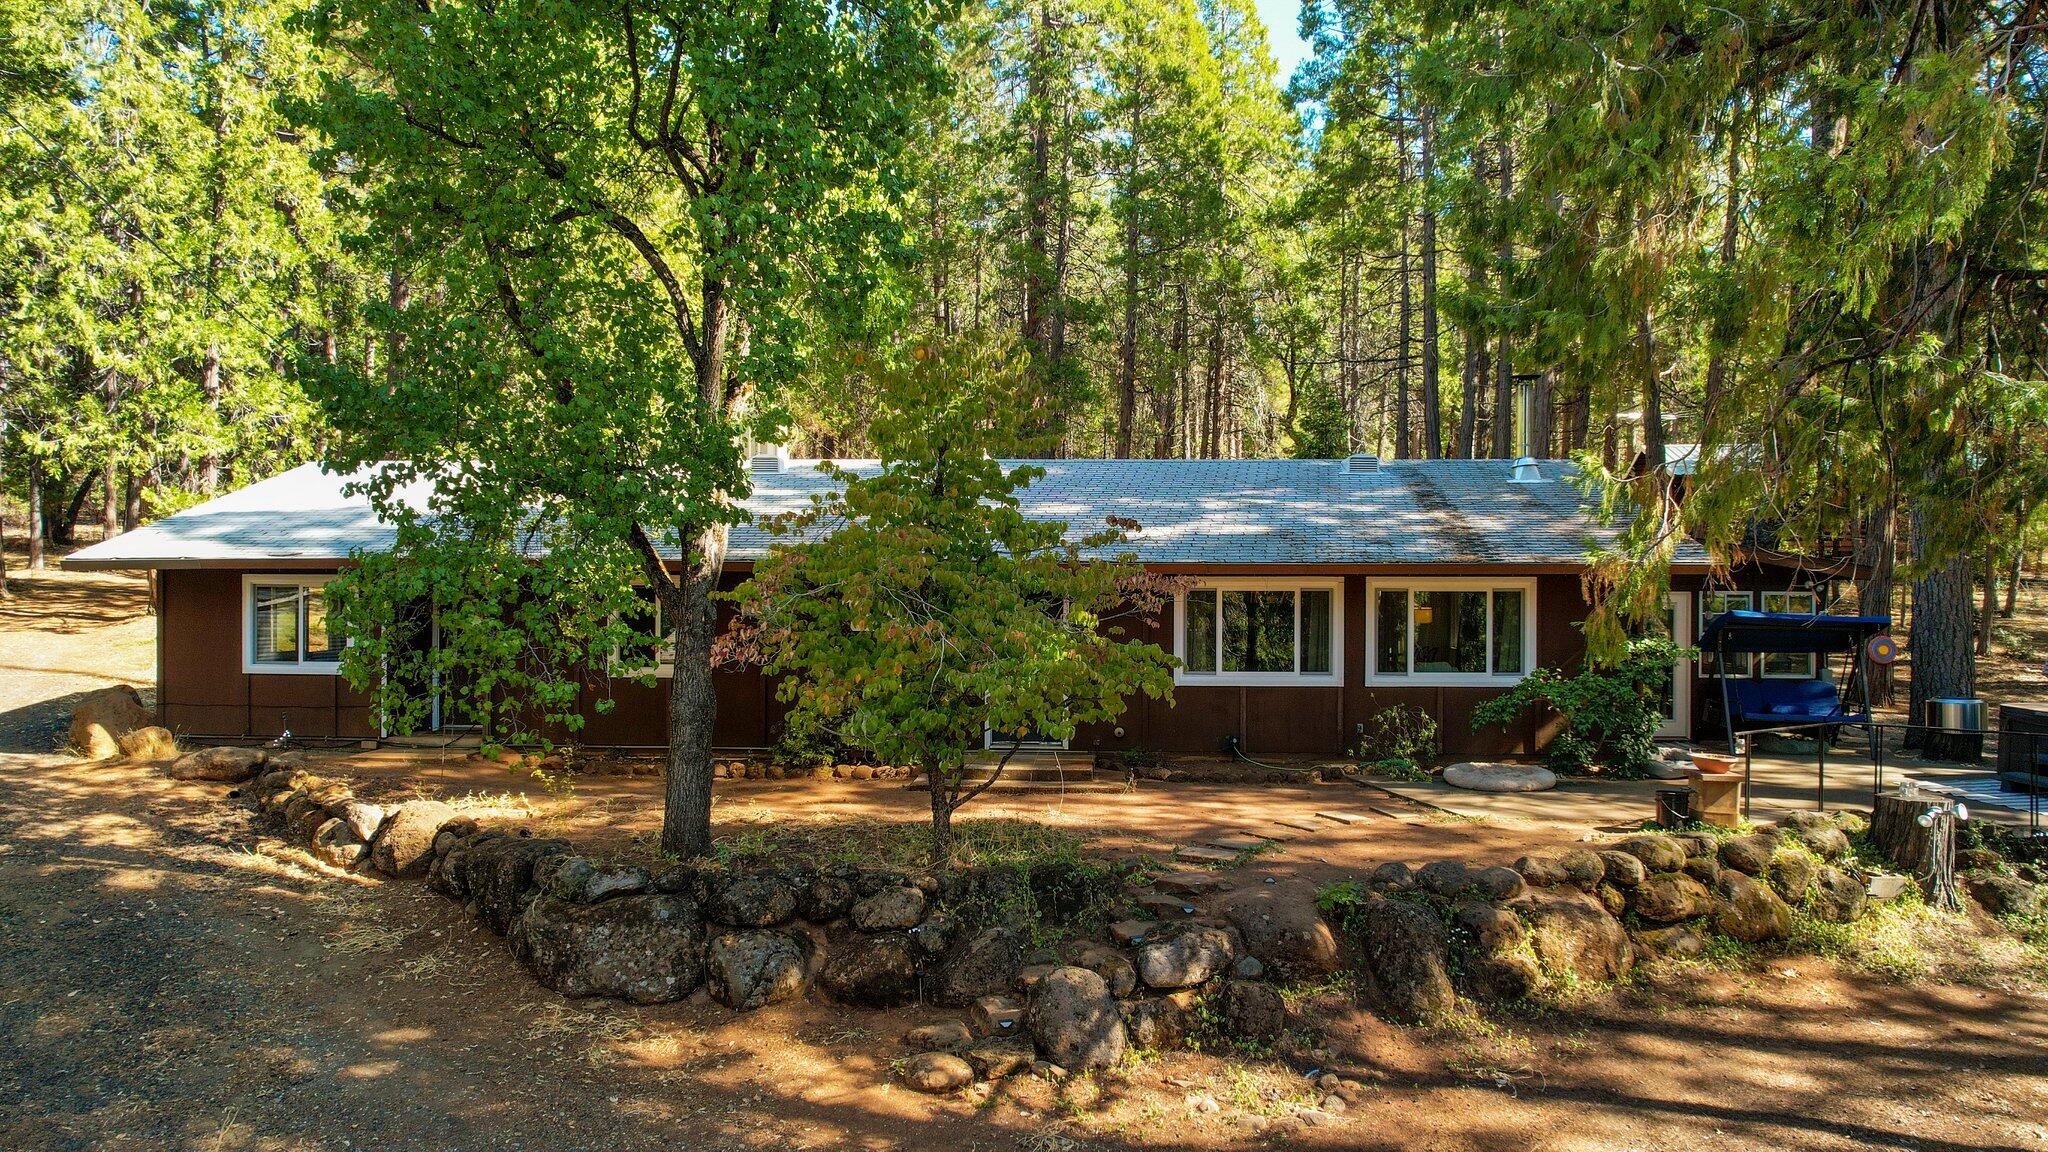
(1678, 698)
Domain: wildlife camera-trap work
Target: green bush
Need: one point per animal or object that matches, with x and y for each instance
(1610, 713)
(1399, 733)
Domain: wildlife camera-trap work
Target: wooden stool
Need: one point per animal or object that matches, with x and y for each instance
(1717, 797)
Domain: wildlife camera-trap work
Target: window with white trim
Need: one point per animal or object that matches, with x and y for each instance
(284, 625)
(653, 648)
(1450, 631)
(1711, 605)
(1791, 665)
(1260, 632)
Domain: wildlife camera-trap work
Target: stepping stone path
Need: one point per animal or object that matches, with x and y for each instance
(1205, 853)
(1346, 818)
(1191, 883)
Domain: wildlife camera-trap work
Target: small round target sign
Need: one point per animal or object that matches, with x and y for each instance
(1882, 649)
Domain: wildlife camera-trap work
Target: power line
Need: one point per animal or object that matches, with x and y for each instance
(57, 156)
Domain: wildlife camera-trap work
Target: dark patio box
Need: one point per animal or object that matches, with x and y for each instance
(2023, 745)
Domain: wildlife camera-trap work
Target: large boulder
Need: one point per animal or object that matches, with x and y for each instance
(363, 819)
(937, 1072)
(1444, 878)
(1184, 954)
(1749, 855)
(1623, 870)
(2002, 895)
(405, 844)
(1790, 872)
(1113, 966)
(337, 845)
(222, 765)
(150, 744)
(647, 948)
(1498, 884)
(755, 967)
(1658, 853)
(1838, 896)
(1408, 953)
(828, 896)
(1747, 910)
(1572, 932)
(1819, 832)
(102, 717)
(877, 970)
(1252, 1011)
(748, 899)
(1075, 1021)
(1668, 897)
(1541, 871)
(1280, 925)
(580, 880)
(981, 964)
(1582, 868)
(1160, 1023)
(500, 877)
(891, 908)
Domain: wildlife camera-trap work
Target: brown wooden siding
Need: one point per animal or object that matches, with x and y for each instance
(204, 691)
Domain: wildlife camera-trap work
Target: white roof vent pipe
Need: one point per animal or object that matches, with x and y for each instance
(1361, 465)
(767, 457)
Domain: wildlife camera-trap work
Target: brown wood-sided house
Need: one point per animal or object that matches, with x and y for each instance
(1323, 591)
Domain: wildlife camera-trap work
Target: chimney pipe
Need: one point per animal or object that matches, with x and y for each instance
(1526, 471)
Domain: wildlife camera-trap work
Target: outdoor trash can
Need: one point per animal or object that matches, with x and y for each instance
(1955, 729)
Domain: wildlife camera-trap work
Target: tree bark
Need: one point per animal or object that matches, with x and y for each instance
(35, 514)
(1943, 657)
(1468, 394)
(131, 516)
(1432, 381)
(1127, 353)
(692, 703)
(1503, 367)
(2012, 572)
(1876, 558)
(210, 388)
(1987, 612)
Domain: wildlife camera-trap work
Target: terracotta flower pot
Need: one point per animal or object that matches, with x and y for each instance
(1715, 763)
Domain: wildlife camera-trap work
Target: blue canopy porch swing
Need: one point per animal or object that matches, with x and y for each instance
(1756, 707)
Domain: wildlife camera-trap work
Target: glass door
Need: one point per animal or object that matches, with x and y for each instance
(1678, 693)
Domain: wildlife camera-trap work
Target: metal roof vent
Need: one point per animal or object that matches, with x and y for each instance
(1526, 472)
(768, 458)
(1361, 465)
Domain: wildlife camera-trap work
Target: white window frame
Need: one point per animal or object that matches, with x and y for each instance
(306, 582)
(1812, 665)
(1413, 584)
(1334, 678)
(1701, 618)
(663, 668)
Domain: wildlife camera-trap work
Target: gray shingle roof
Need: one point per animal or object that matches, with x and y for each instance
(1248, 512)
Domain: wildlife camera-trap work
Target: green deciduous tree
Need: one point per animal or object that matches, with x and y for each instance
(917, 607)
(614, 231)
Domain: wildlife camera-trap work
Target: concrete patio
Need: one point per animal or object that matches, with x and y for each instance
(1779, 784)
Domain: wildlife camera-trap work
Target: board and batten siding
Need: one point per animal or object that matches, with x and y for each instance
(205, 692)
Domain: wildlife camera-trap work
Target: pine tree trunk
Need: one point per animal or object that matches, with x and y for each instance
(131, 515)
(1943, 658)
(1468, 394)
(35, 514)
(1127, 353)
(1432, 379)
(1503, 369)
(1876, 557)
(110, 504)
(210, 388)
(2012, 572)
(1987, 613)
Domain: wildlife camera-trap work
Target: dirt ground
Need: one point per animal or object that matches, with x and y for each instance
(171, 977)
